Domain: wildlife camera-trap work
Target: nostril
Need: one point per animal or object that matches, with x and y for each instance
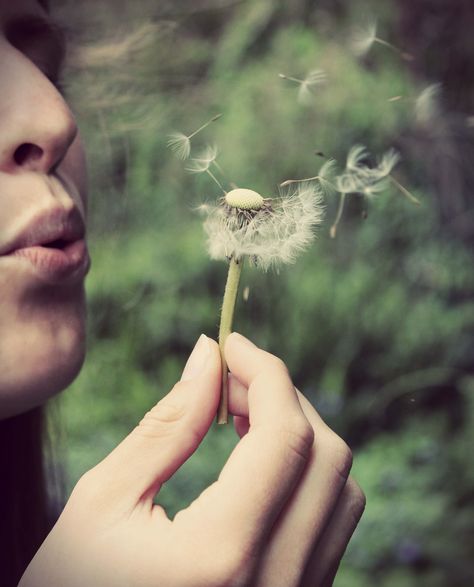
(26, 153)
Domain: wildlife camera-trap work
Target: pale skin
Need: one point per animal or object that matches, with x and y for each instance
(284, 506)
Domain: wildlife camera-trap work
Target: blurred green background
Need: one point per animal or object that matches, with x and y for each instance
(376, 325)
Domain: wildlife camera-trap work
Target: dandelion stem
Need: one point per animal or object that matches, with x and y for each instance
(225, 328)
(213, 119)
(405, 192)
(333, 229)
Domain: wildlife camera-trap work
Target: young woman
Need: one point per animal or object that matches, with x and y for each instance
(283, 508)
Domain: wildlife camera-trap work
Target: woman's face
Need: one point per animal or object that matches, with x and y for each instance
(43, 256)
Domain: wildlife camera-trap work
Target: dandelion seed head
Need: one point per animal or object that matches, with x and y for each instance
(180, 144)
(244, 199)
(363, 38)
(273, 235)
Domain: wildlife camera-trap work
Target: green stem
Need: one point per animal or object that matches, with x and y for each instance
(225, 328)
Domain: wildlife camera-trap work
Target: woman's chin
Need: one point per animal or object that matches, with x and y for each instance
(41, 368)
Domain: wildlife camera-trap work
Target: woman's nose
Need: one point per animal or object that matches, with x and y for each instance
(36, 125)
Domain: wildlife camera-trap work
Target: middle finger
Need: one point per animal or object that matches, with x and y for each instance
(303, 520)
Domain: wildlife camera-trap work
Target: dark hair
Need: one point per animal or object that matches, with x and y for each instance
(25, 511)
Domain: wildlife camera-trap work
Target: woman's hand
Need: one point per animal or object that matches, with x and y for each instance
(280, 514)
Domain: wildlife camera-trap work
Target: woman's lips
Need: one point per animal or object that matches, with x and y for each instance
(53, 243)
(70, 262)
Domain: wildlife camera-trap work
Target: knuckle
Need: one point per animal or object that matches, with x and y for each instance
(163, 419)
(341, 456)
(299, 436)
(357, 500)
(88, 488)
(275, 363)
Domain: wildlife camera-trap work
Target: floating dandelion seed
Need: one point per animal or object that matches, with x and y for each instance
(355, 157)
(365, 36)
(203, 162)
(267, 231)
(358, 177)
(427, 106)
(180, 143)
(325, 178)
(388, 162)
(305, 93)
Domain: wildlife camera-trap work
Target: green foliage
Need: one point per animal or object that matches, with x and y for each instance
(376, 325)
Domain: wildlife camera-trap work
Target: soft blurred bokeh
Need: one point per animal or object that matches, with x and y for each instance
(375, 325)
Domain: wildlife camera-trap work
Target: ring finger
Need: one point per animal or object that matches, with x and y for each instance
(302, 523)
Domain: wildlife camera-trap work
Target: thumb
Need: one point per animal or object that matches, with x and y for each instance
(169, 433)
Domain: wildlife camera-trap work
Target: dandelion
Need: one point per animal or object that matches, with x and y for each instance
(267, 231)
(180, 143)
(305, 92)
(365, 36)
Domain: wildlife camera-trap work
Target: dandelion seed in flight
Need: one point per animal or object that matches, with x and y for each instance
(306, 85)
(180, 143)
(364, 37)
(427, 105)
(358, 177)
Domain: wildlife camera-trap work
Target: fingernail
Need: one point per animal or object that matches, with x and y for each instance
(243, 340)
(197, 360)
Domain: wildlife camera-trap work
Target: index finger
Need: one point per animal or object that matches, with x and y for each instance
(265, 466)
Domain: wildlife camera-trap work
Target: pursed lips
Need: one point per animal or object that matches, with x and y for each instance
(53, 243)
(54, 228)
